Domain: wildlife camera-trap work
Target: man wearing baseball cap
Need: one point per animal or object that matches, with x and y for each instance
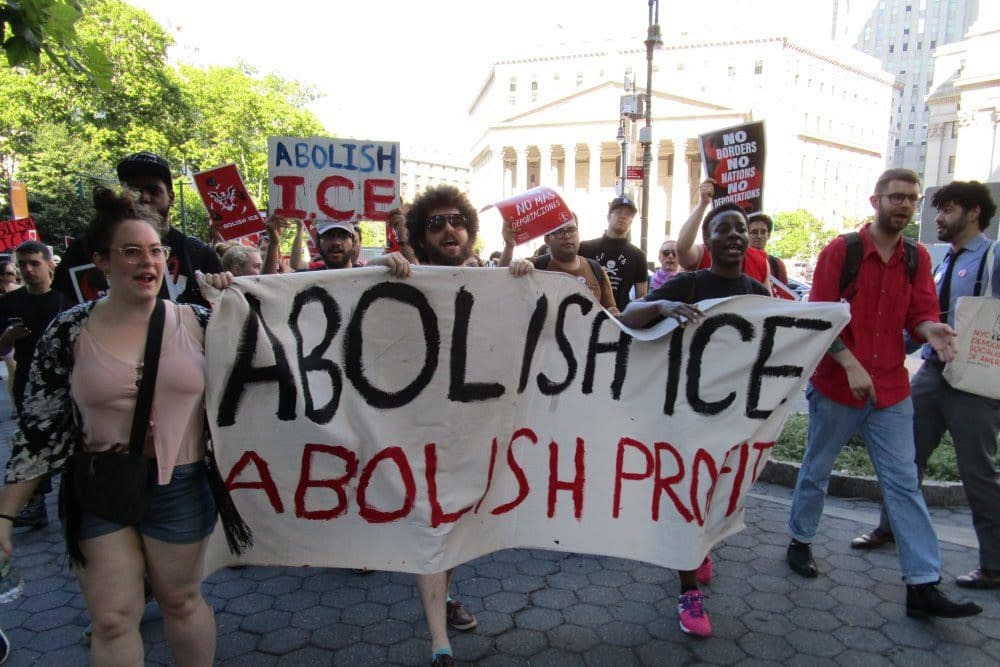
(624, 263)
(149, 174)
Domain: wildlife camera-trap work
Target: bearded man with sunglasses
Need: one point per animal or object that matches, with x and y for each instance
(862, 385)
(442, 225)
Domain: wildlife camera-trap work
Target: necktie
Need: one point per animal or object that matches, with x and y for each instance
(944, 292)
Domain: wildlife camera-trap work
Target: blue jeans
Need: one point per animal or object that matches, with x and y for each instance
(888, 436)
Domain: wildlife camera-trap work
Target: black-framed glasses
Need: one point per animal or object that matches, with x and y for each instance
(564, 233)
(437, 222)
(133, 254)
(898, 198)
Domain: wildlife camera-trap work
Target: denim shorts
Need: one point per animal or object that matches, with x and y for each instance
(181, 512)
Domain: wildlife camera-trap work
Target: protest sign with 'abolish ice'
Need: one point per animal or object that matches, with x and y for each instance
(233, 213)
(316, 178)
(734, 157)
(413, 425)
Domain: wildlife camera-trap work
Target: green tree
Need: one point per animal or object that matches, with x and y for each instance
(798, 234)
(30, 28)
(236, 110)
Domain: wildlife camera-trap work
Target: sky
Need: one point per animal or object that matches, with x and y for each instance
(393, 70)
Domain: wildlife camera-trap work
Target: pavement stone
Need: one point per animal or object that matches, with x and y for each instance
(549, 608)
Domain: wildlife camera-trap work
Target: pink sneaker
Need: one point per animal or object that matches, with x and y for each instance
(705, 571)
(694, 620)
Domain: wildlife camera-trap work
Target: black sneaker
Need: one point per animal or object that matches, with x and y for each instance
(800, 559)
(927, 600)
(34, 515)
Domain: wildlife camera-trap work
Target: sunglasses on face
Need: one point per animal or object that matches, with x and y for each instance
(436, 223)
(668, 253)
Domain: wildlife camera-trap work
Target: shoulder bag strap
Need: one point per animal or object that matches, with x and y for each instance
(150, 367)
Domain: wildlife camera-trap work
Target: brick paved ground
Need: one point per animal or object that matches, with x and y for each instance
(547, 608)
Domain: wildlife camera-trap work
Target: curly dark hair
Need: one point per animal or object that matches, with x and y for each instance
(968, 195)
(442, 196)
(112, 209)
(718, 210)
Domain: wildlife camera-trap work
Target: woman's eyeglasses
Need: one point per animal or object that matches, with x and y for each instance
(133, 254)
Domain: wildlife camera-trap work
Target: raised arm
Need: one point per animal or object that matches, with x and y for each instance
(689, 251)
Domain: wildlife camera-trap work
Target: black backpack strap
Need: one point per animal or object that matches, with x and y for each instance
(852, 260)
(542, 262)
(978, 289)
(912, 257)
(595, 267)
(147, 381)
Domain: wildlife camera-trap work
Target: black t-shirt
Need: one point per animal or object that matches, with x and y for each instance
(623, 262)
(691, 287)
(37, 310)
(187, 255)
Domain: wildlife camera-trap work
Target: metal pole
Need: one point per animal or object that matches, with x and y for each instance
(624, 142)
(184, 217)
(646, 134)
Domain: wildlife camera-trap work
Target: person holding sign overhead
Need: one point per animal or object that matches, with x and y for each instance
(693, 257)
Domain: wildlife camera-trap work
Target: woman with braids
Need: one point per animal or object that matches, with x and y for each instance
(81, 397)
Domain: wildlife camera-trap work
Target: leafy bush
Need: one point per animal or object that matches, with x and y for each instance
(854, 459)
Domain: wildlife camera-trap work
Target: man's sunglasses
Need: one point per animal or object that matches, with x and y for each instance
(436, 223)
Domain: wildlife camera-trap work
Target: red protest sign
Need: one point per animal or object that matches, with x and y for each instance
(734, 157)
(15, 232)
(231, 209)
(534, 213)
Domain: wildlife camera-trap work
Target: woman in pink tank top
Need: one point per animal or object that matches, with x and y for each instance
(89, 362)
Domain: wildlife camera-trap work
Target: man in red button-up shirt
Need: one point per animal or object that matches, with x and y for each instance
(861, 385)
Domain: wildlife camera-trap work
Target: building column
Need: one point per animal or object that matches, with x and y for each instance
(521, 169)
(680, 191)
(569, 169)
(594, 182)
(545, 165)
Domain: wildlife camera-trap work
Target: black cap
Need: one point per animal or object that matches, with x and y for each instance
(145, 163)
(624, 200)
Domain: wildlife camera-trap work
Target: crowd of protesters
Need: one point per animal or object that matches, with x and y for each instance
(861, 384)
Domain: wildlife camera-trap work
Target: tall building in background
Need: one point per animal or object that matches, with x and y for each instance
(905, 35)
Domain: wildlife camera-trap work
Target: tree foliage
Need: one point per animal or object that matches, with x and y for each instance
(798, 234)
(64, 134)
(29, 28)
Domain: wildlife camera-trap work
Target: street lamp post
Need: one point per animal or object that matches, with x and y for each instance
(653, 41)
(624, 143)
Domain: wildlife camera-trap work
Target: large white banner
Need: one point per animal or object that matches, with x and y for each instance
(416, 424)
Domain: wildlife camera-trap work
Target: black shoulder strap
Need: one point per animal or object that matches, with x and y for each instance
(541, 262)
(595, 267)
(147, 381)
(911, 253)
(852, 260)
(773, 262)
(978, 289)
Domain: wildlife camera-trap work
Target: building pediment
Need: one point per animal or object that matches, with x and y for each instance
(598, 103)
